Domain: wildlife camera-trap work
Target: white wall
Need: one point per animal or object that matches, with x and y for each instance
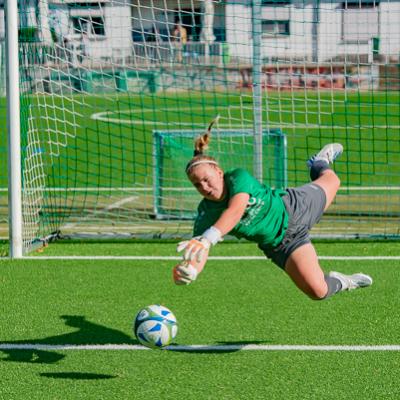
(330, 31)
(121, 17)
(299, 43)
(117, 24)
(390, 28)
(118, 28)
(238, 30)
(59, 19)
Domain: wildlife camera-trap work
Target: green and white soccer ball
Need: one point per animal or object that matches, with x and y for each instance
(155, 326)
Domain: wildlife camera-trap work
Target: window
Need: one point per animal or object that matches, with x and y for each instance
(87, 4)
(98, 26)
(88, 17)
(80, 24)
(88, 25)
(360, 21)
(276, 2)
(275, 28)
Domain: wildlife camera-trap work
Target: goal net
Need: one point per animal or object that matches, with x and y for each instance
(114, 92)
(175, 198)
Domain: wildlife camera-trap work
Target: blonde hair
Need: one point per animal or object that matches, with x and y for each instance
(200, 146)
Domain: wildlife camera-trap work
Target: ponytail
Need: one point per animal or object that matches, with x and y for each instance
(200, 146)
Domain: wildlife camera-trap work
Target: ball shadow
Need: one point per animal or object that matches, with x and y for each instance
(225, 347)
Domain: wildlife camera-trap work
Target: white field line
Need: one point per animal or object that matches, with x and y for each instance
(220, 258)
(121, 202)
(112, 116)
(110, 207)
(201, 347)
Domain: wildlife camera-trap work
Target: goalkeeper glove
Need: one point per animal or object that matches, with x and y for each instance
(197, 246)
(184, 273)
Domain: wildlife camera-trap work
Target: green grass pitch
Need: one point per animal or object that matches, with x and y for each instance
(235, 302)
(107, 140)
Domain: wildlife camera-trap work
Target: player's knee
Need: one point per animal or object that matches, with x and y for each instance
(334, 180)
(317, 292)
(337, 181)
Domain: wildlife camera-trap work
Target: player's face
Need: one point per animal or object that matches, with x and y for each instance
(209, 181)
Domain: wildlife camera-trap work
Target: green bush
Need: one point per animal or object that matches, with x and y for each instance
(28, 34)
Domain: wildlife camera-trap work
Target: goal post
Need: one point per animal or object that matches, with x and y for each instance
(13, 130)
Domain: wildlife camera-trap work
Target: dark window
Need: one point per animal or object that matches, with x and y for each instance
(88, 25)
(359, 4)
(138, 36)
(220, 34)
(276, 2)
(80, 24)
(191, 21)
(94, 4)
(275, 27)
(98, 26)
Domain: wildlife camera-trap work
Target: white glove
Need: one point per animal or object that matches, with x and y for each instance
(194, 247)
(184, 273)
(197, 246)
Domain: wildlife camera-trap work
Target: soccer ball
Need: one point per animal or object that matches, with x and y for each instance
(155, 326)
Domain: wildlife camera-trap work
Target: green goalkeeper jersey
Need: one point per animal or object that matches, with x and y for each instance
(265, 220)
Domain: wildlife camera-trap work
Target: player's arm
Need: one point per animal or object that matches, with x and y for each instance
(196, 247)
(232, 215)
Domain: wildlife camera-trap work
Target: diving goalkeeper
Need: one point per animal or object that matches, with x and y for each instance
(279, 221)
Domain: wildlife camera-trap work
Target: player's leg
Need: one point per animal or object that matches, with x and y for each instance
(330, 183)
(321, 173)
(303, 268)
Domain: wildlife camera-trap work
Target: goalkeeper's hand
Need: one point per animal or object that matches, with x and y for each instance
(195, 248)
(184, 273)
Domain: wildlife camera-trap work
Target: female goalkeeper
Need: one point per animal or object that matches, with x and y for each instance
(279, 221)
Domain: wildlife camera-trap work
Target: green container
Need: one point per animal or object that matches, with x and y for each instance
(226, 57)
(121, 81)
(375, 45)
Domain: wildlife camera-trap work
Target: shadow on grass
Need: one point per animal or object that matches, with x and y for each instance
(76, 375)
(87, 333)
(218, 348)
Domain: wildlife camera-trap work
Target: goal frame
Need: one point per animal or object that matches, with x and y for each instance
(13, 129)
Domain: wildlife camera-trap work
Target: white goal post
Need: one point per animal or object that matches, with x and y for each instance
(13, 129)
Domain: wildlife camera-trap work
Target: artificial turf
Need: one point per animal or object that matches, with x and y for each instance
(237, 302)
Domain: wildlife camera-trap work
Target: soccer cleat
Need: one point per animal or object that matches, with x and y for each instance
(350, 282)
(328, 153)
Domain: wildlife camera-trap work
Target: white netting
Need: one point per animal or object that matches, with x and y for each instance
(99, 77)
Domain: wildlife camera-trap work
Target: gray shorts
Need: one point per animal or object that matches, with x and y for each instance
(305, 206)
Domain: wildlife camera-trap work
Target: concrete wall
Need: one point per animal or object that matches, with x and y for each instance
(299, 44)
